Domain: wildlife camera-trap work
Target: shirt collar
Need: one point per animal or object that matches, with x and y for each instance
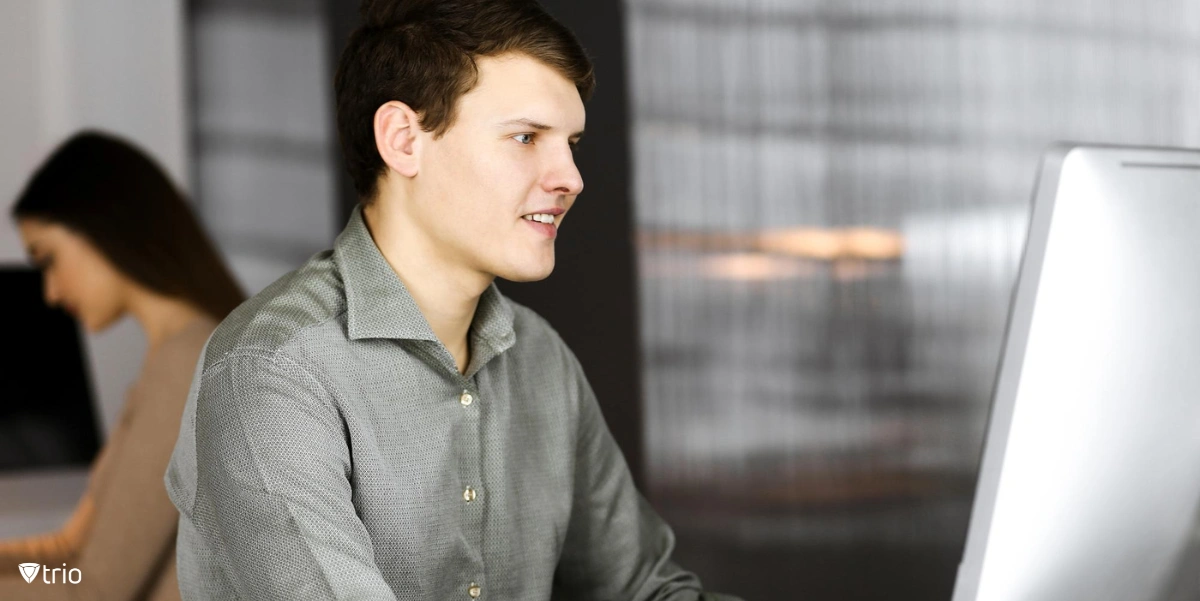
(379, 305)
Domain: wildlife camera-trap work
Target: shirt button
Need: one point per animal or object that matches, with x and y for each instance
(469, 494)
(465, 398)
(474, 590)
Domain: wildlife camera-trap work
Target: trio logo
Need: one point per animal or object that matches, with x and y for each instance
(29, 571)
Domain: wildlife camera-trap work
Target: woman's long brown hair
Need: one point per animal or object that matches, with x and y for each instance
(117, 197)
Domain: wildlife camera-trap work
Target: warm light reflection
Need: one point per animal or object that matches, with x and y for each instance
(873, 244)
(813, 243)
(752, 266)
(823, 244)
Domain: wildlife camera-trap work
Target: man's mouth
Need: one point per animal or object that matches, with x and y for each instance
(544, 223)
(541, 217)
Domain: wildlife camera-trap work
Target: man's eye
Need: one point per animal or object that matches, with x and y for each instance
(524, 138)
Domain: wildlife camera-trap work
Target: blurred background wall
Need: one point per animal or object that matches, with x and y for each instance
(790, 273)
(262, 131)
(830, 200)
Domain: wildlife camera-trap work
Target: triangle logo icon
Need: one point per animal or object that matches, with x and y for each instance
(29, 571)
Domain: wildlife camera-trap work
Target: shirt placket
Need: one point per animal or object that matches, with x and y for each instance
(471, 496)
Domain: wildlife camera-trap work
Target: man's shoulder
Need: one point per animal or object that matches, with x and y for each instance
(270, 320)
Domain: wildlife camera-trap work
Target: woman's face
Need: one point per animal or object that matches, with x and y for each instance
(77, 277)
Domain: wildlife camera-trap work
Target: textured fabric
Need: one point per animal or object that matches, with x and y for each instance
(122, 534)
(329, 450)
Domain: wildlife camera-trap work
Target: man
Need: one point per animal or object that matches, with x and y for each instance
(382, 423)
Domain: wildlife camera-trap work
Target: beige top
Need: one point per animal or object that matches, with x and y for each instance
(121, 535)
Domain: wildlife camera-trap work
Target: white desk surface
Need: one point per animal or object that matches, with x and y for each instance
(38, 501)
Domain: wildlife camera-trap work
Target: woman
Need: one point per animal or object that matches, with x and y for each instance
(114, 237)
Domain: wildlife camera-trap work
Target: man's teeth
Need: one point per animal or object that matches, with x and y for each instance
(542, 217)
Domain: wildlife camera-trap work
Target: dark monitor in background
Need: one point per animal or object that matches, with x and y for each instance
(1089, 489)
(47, 417)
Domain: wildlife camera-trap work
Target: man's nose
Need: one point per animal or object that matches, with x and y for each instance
(565, 179)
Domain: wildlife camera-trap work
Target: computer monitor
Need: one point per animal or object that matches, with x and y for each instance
(47, 416)
(1089, 486)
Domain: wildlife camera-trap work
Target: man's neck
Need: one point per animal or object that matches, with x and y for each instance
(446, 293)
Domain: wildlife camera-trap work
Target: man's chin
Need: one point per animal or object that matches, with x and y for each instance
(526, 275)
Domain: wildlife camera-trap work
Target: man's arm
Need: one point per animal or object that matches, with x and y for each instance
(617, 547)
(273, 494)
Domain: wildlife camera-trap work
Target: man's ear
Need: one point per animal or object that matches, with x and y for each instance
(396, 137)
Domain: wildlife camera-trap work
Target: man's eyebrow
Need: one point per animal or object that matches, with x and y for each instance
(527, 122)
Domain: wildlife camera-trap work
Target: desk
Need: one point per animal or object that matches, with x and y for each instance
(38, 501)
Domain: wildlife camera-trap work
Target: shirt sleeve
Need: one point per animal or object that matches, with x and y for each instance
(617, 547)
(273, 478)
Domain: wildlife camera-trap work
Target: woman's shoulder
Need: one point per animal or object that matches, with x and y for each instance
(171, 364)
(190, 340)
(154, 403)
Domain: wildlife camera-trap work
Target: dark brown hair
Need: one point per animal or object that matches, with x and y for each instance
(422, 53)
(117, 197)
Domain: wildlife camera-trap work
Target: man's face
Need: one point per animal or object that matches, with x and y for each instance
(508, 155)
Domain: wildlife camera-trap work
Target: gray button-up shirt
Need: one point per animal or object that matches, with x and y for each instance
(330, 449)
